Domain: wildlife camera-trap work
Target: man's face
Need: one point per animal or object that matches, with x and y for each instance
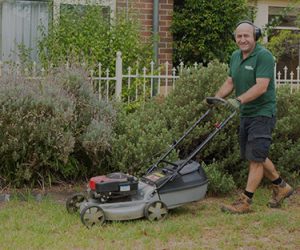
(244, 38)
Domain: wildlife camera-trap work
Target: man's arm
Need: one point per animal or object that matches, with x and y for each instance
(225, 89)
(255, 91)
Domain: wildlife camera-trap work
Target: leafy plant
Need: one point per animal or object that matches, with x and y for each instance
(86, 33)
(285, 42)
(202, 30)
(33, 120)
(285, 149)
(52, 129)
(139, 139)
(92, 118)
(219, 182)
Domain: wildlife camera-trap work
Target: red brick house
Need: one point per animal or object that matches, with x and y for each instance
(145, 10)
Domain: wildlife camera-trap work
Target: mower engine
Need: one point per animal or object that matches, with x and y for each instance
(112, 187)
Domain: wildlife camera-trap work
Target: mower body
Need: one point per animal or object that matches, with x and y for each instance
(127, 198)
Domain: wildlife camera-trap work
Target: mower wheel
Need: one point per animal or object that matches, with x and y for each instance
(74, 201)
(92, 216)
(156, 211)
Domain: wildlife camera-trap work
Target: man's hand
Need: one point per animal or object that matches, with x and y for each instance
(235, 103)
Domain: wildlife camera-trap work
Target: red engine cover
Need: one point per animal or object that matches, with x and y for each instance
(103, 178)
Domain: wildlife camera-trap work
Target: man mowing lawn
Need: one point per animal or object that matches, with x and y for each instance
(251, 75)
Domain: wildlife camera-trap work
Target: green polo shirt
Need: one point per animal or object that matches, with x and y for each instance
(259, 64)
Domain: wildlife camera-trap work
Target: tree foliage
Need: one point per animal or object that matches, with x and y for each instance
(284, 42)
(88, 35)
(142, 136)
(202, 30)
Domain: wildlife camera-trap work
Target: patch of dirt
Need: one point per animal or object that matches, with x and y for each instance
(58, 193)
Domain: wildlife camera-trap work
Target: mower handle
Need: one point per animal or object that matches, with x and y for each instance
(211, 101)
(221, 101)
(215, 100)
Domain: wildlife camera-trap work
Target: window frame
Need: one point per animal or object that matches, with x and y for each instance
(293, 13)
(106, 3)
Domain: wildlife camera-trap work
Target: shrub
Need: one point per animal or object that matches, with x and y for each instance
(140, 137)
(286, 137)
(202, 30)
(219, 182)
(146, 133)
(52, 129)
(33, 119)
(87, 34)
(222, 152)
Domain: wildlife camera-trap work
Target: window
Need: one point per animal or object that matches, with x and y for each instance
(21, 20)
(287, 21)
(79, 10)
(291, 57)
(19, 24)
(109, 5)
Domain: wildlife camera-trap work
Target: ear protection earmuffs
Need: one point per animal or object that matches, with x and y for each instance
(257, 31)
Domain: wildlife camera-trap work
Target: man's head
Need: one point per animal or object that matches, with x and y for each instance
(246, 35)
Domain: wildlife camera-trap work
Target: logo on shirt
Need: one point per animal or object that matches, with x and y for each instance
(248, 67)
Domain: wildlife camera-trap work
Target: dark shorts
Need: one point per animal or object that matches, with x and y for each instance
(256, 137)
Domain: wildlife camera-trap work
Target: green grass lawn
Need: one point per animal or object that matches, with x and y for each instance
(200, 225)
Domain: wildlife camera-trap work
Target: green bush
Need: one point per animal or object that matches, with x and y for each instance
(219, 182)
(141, 136)
(202, 30)
(286, 137)
(93, 119)
(88, 35)
(52, 129)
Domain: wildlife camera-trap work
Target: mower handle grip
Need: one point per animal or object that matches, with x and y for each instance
(215, 100)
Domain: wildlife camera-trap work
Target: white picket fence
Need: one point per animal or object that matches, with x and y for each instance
(144, 84)
(288, 78)
(156, 81)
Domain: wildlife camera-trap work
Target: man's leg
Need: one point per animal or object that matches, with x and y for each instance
(281, 189)
(242, 205)
(256, 174)
(270, 171)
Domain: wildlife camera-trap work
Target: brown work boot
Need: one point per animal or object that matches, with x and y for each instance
(241, 206)
(280, 192)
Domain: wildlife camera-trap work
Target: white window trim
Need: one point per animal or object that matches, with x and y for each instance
(108, 3)
(285, 28)
(262, 14)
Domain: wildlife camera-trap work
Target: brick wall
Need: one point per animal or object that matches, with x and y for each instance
(144, 11)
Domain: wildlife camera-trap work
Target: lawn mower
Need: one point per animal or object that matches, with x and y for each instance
(166, 185)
